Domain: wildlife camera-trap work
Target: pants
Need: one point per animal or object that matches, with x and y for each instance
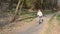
(40, 19)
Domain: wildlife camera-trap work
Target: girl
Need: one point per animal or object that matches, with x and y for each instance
(40, 16)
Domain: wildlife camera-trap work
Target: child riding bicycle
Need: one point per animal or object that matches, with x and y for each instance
(40, 16)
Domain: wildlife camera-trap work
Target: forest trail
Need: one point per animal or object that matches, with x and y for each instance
(30, 28)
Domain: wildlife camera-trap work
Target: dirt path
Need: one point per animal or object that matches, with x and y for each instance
(29, 28)
(36, 28)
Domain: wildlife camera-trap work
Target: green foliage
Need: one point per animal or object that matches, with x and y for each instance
(28, 15)
(47, 12)
(28, 2)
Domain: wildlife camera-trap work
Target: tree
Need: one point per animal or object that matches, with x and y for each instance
(0, 3)
(16, 11)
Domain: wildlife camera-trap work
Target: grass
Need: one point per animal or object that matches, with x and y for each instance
(47, 12)
(28, 15)
(58, 18)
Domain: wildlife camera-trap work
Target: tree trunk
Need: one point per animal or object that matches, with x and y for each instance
(16, 11)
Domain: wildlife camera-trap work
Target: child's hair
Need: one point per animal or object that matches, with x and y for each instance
(39, 9)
